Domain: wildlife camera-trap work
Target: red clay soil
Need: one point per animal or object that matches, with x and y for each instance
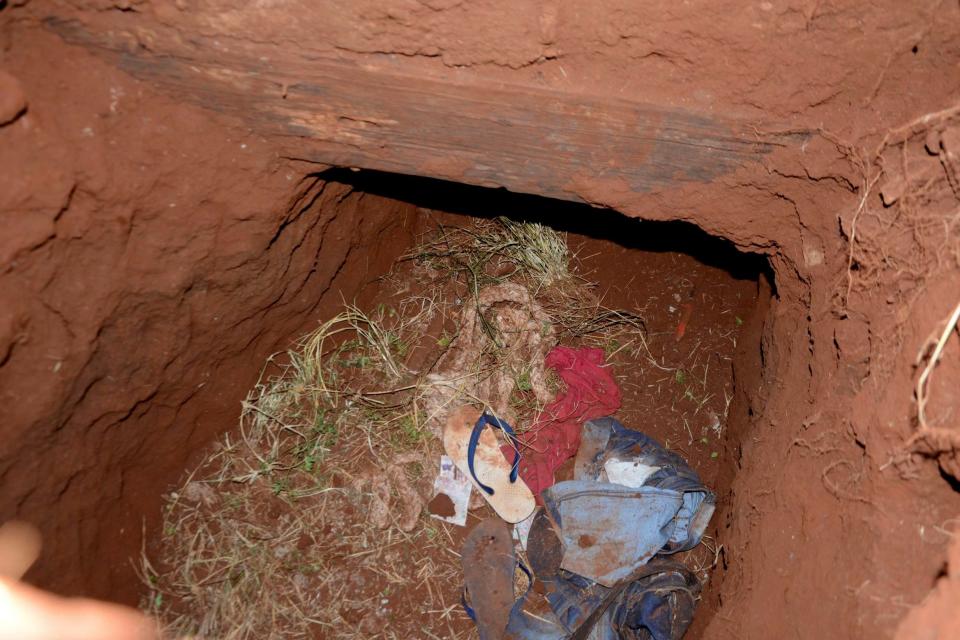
(153, 253)
(141, 295)
(680, 388)
(703, 324)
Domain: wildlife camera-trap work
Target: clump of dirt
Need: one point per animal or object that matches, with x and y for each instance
(312, 518)
(441, 505)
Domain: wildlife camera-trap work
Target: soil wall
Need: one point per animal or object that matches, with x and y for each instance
(151, 258)
(152, 253)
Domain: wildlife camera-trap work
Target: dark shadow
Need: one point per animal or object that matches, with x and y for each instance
(572, 217)
(949, 479)
(943, 572)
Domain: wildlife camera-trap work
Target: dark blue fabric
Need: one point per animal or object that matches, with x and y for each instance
(574, 598)
(625, 524)
(659, 607)
(484, 420)
(674, 471)
(656, 607)
(524, 626)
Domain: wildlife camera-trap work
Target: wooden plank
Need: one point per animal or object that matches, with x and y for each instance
(523, 138)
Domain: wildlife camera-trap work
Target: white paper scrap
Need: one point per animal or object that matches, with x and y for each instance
(628, 473)
(521, 530)
(456, 487)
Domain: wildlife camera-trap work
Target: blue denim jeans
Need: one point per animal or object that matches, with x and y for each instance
(607, 531)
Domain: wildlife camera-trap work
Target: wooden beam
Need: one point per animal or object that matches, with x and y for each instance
(523, 138)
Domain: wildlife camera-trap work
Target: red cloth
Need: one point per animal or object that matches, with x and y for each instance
(555, 435)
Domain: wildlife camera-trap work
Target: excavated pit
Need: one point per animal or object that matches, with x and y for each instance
(160, 244)
(703, 304)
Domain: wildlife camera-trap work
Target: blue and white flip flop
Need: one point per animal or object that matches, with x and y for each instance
(476, 452)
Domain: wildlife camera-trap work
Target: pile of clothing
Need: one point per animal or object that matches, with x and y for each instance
(597, 547)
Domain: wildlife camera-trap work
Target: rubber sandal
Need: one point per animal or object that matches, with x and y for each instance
(488, 567)
(485, 420)
(476, 452)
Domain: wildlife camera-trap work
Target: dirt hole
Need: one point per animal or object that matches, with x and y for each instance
(687, 368)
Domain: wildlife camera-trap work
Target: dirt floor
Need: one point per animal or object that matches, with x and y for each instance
(371, 559)
(158, 246)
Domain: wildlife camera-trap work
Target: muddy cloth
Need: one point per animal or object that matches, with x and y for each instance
(658, 606)
(555, 435)
(605, 441)
(608, 530)
(595, 535)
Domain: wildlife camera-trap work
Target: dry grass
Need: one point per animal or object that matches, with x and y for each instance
(306, 521)
(499, 249)
(703, 558)
(256, 541)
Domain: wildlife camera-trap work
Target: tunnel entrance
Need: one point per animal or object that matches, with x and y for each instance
(312, 517)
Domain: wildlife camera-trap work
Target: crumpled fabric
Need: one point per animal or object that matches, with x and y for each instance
(606, 438)
(608, 531)
(554, 437)
(656, 607)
